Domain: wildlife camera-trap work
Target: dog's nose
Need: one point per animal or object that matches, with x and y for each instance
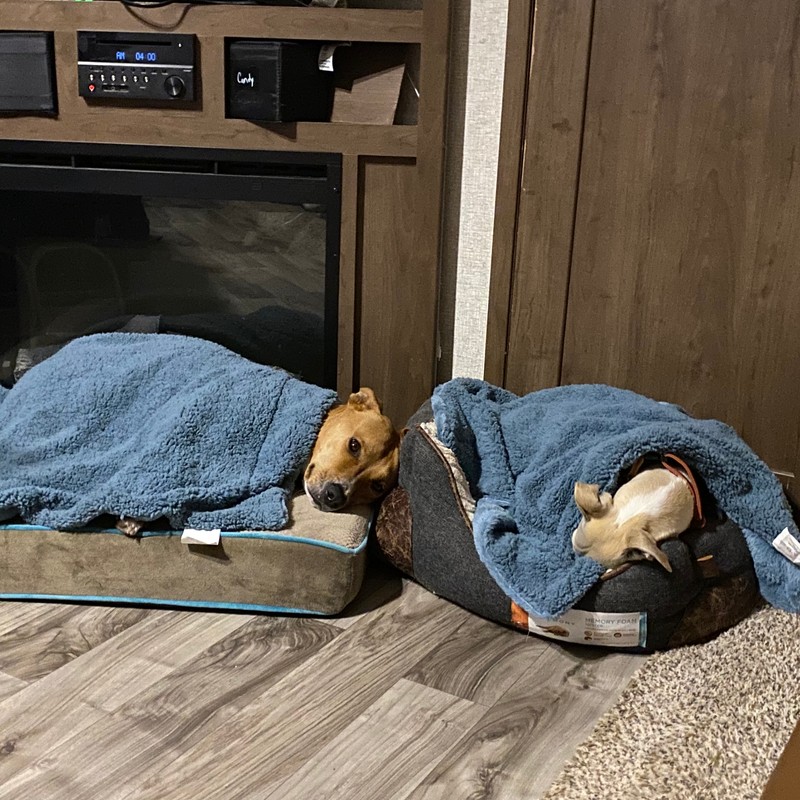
(333, 496)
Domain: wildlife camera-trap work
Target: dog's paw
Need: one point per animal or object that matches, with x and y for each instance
(130, 527)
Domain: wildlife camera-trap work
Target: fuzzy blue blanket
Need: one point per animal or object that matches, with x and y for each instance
(155, 425)
(523, 455)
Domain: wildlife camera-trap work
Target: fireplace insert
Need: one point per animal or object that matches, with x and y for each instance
(237, 247)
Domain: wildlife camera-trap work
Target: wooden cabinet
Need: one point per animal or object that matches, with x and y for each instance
(657, 248)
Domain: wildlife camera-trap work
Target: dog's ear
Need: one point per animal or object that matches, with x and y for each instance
(364, 400)
(640, 544)
(589, 500)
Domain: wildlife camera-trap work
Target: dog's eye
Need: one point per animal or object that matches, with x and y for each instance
(378, 487)
(354, 446)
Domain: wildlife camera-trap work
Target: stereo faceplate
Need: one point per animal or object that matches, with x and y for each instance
(139, 67)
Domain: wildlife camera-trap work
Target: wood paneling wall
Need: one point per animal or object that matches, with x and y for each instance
(656, 237)
(684, 272)
(396, 337)
(533, 292)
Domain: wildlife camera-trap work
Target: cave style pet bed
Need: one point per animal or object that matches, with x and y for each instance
(509, 557)
(178, 433)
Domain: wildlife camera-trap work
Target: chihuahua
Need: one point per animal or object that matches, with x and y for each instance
(653, 506)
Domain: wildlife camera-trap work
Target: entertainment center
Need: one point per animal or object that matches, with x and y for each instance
(384, 142)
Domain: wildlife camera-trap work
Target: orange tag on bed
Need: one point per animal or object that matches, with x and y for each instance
(519, 616)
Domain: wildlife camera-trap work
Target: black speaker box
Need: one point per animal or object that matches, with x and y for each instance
(27, 73)
(276, 81)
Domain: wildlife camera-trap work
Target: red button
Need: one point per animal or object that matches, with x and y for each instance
(91, 87)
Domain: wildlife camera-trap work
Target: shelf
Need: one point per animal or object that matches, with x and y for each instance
(326, 24)
(134, 127)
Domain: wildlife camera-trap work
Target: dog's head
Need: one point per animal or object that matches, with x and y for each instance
(356, 456)
(602, 537)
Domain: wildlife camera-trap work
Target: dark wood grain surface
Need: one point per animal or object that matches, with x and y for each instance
(683, 281)
(785, 780)
(546, 191)
(280, 22)
(396, 342)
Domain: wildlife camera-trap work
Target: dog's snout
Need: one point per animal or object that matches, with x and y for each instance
(328, 496)
(333, 495)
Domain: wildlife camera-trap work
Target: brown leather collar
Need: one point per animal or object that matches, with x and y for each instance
(677, 466)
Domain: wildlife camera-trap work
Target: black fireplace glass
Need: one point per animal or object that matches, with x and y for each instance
(237, 248)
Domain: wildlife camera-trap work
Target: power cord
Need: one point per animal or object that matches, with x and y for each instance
(163, 3)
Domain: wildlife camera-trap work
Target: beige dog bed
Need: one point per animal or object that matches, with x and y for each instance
(315, 566)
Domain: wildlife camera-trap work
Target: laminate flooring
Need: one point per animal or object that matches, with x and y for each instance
(404, 696)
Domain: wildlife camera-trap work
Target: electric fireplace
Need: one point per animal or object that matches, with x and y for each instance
(237, 247)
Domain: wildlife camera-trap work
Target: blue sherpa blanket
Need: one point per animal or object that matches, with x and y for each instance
(155, 425)
(523, 455)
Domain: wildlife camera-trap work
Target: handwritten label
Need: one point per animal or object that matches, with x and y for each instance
(246, 80)
(326, 55)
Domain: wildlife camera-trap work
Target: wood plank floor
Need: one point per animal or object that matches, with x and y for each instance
(403, 696)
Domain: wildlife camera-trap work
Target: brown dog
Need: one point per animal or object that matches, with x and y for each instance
(355, 459)
(356, 456)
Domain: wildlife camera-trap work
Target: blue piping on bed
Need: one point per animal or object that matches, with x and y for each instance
(277, 537)
(208, 604)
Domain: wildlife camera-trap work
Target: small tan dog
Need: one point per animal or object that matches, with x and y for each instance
(653, 506)
(356, 456)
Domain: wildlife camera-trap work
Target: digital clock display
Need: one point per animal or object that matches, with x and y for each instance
(137, 56)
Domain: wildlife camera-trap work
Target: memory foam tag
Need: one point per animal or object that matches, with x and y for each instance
(603, 628)
(192, 536)
(787, 546)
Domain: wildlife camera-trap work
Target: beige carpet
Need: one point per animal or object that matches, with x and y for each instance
(698, 723)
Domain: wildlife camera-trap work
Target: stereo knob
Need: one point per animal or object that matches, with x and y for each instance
(174, 86)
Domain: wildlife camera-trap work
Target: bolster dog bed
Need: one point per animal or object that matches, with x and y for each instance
(315, 565)
(173, 432)
(427, 528)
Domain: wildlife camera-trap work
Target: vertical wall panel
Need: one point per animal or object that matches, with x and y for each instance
(547, 192)
(684, 273)
(398, 290)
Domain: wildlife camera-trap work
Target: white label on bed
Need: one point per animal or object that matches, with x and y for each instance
(787, 546)
(594, 627)
(192, 536)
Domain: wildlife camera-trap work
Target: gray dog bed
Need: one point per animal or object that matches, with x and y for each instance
(424, 528)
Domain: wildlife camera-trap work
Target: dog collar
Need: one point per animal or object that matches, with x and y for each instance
(677, 466)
